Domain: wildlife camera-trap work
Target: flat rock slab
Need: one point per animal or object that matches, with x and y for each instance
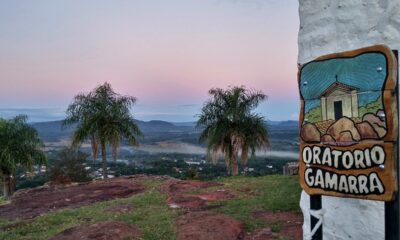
(34, 202)
(217, 195)
(208, 225)
(291, 225)
(109, 230)
(271, 217)
(197, 202)
(180, 186)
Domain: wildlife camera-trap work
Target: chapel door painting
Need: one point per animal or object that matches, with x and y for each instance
(338, 110)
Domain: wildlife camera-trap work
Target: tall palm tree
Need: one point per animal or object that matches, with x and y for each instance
(103, 117)
(229, 126)
(20, 147)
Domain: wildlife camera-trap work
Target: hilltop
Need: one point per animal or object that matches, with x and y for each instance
(157, 207)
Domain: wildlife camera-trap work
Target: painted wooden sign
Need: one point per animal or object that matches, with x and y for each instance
(349, 124)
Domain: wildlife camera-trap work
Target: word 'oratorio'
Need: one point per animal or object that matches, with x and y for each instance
(347, 159)
(330, 181)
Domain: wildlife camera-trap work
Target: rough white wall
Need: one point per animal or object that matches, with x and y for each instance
(328, 26)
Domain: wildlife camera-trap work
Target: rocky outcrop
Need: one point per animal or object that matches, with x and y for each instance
(328, 139)
(310, 133)
(377, 123)
(366, 131)
(345, 138)
(343, 130)
(33, 202)
(374, 120)
(380, 130)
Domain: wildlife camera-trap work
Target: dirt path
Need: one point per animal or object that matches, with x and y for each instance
(33, 202)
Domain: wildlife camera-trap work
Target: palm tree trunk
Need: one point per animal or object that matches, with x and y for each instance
(231, 162)
(7, 186)
(104, 158)
(228, 168)
(234, 164)
(227, 159)
(13, 183)
(4, 186)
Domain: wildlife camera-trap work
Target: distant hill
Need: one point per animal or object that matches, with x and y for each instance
(54, 131)
(283, 134)
(156, 126)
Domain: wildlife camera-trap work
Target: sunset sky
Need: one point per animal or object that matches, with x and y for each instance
(168, 54)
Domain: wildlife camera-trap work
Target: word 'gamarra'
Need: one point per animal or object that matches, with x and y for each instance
(359, 185)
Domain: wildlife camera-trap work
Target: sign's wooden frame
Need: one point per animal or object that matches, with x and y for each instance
(388, 172)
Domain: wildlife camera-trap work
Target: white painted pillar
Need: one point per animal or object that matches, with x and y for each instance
(323, 108)
(328, 26)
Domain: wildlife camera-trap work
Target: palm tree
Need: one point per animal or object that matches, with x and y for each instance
(103, 117)
(230, 128)
(20, 147)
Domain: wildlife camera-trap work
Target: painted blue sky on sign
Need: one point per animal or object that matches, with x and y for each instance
(367, 72)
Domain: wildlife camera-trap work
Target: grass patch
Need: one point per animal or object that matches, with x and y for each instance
(269, 193)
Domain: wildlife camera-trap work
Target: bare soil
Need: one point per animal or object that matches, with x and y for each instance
(180, 186)
(208, 225)
(34, 202)
(220, 194)
(291, 224)
(178, 197)
(262, 234)
(109, 230)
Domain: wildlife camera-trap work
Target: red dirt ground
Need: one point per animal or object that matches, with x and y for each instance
(109, 230)
(208, 226)
(291, 224)
(33, 202)
(193, 202)
(262, 234)
(217, 195)
(197, 202)
(180, 186)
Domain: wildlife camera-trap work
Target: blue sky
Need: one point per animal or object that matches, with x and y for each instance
(360, 72)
